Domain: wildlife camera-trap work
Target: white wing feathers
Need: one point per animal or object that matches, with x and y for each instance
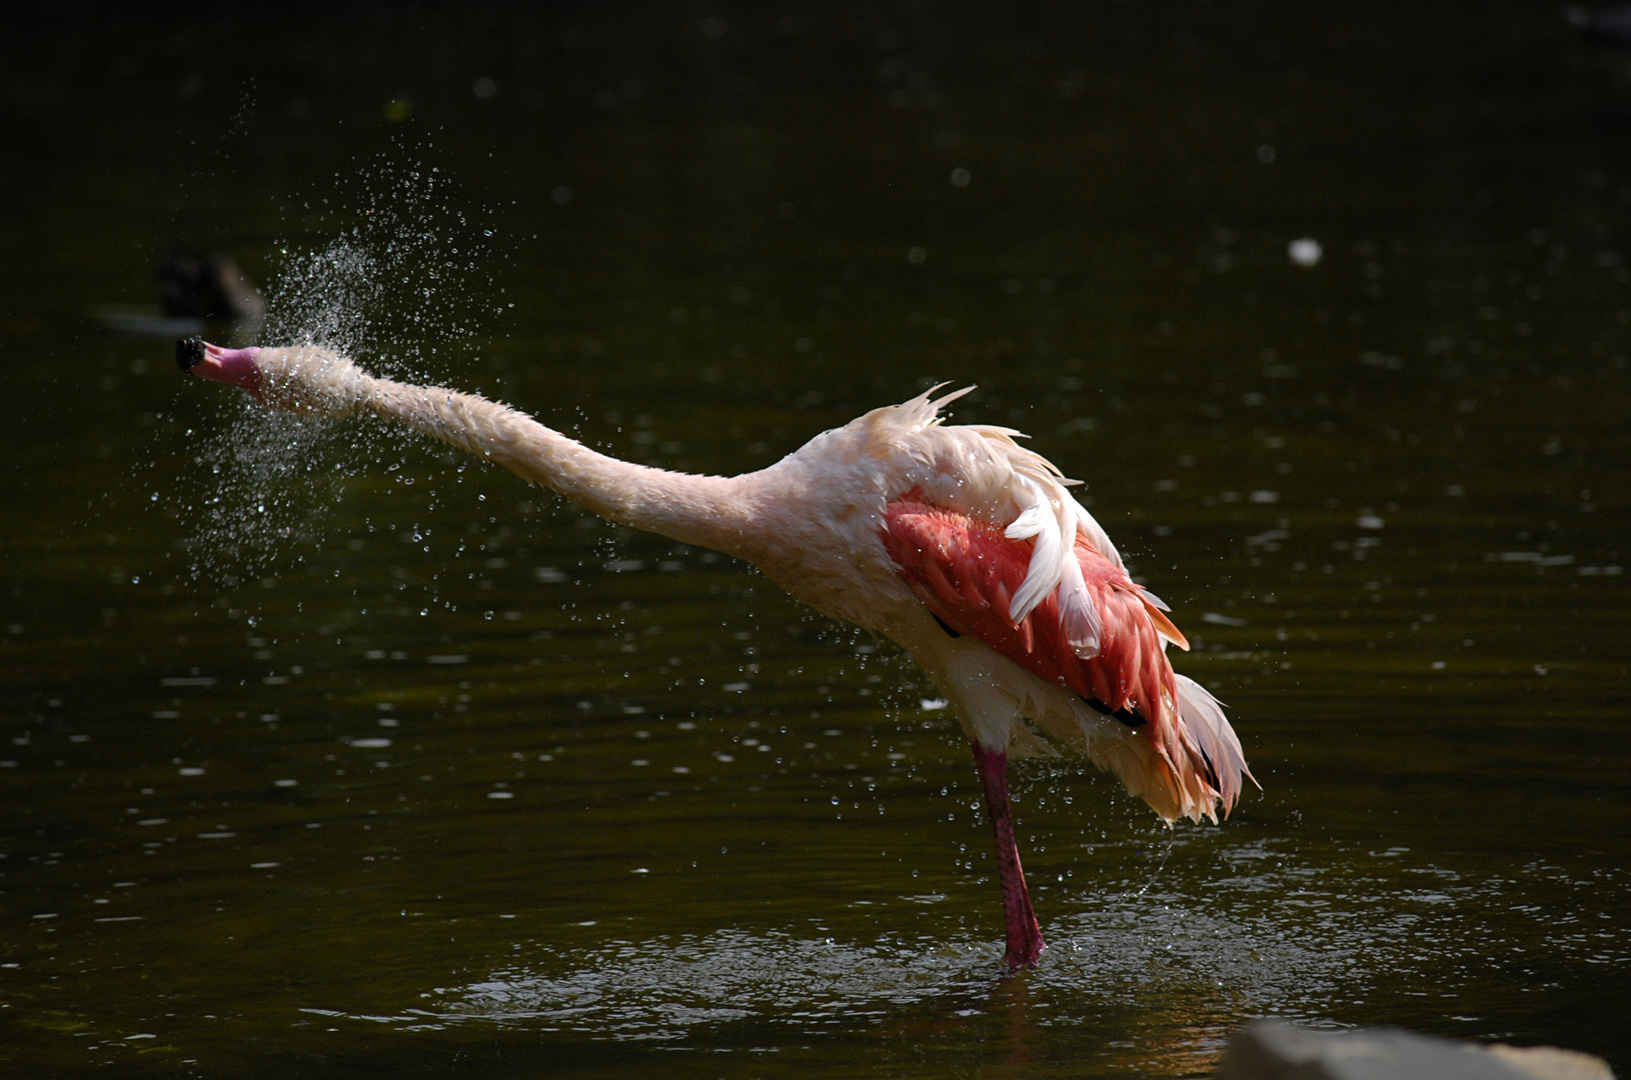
(1052, 528)
(981, 471)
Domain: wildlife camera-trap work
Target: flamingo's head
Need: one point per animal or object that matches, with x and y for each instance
(235, 367)
(304, 379)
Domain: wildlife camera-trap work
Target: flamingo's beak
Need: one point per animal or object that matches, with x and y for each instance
(235, 367)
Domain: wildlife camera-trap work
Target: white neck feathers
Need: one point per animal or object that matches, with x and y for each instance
(703, 510)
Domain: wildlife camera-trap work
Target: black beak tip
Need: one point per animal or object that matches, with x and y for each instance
(189, 353)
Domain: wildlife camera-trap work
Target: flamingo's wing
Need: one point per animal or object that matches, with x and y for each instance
(967, 571)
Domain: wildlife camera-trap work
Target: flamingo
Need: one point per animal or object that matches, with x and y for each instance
(963, 547)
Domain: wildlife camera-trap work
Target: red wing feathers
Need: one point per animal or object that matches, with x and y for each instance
(966, 571)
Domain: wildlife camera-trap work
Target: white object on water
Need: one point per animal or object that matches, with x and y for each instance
(1305, 251)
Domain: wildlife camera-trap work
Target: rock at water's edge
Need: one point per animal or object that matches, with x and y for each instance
(1274, 1050)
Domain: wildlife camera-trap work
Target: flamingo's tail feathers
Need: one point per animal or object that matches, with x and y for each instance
(1131, 758)
(1188, 766)
(1211, 747)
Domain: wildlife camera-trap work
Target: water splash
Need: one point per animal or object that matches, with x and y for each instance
(402, 281)
(1282, 936)
(1129, 947)
(668, 988)
(406, 272)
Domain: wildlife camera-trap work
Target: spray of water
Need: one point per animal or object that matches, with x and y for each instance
(403, 284)
(404, 275)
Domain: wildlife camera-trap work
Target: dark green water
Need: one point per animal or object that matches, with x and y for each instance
(329, 753)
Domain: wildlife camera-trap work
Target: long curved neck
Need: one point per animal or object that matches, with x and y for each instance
(709, 511)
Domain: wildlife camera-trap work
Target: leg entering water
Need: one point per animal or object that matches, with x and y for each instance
(1019, 920)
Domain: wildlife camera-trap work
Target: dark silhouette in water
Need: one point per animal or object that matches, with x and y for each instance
(199, 286)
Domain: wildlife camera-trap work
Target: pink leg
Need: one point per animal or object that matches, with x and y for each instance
(1024, 935)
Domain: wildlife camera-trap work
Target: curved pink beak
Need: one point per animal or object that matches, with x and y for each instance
(235, 367)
